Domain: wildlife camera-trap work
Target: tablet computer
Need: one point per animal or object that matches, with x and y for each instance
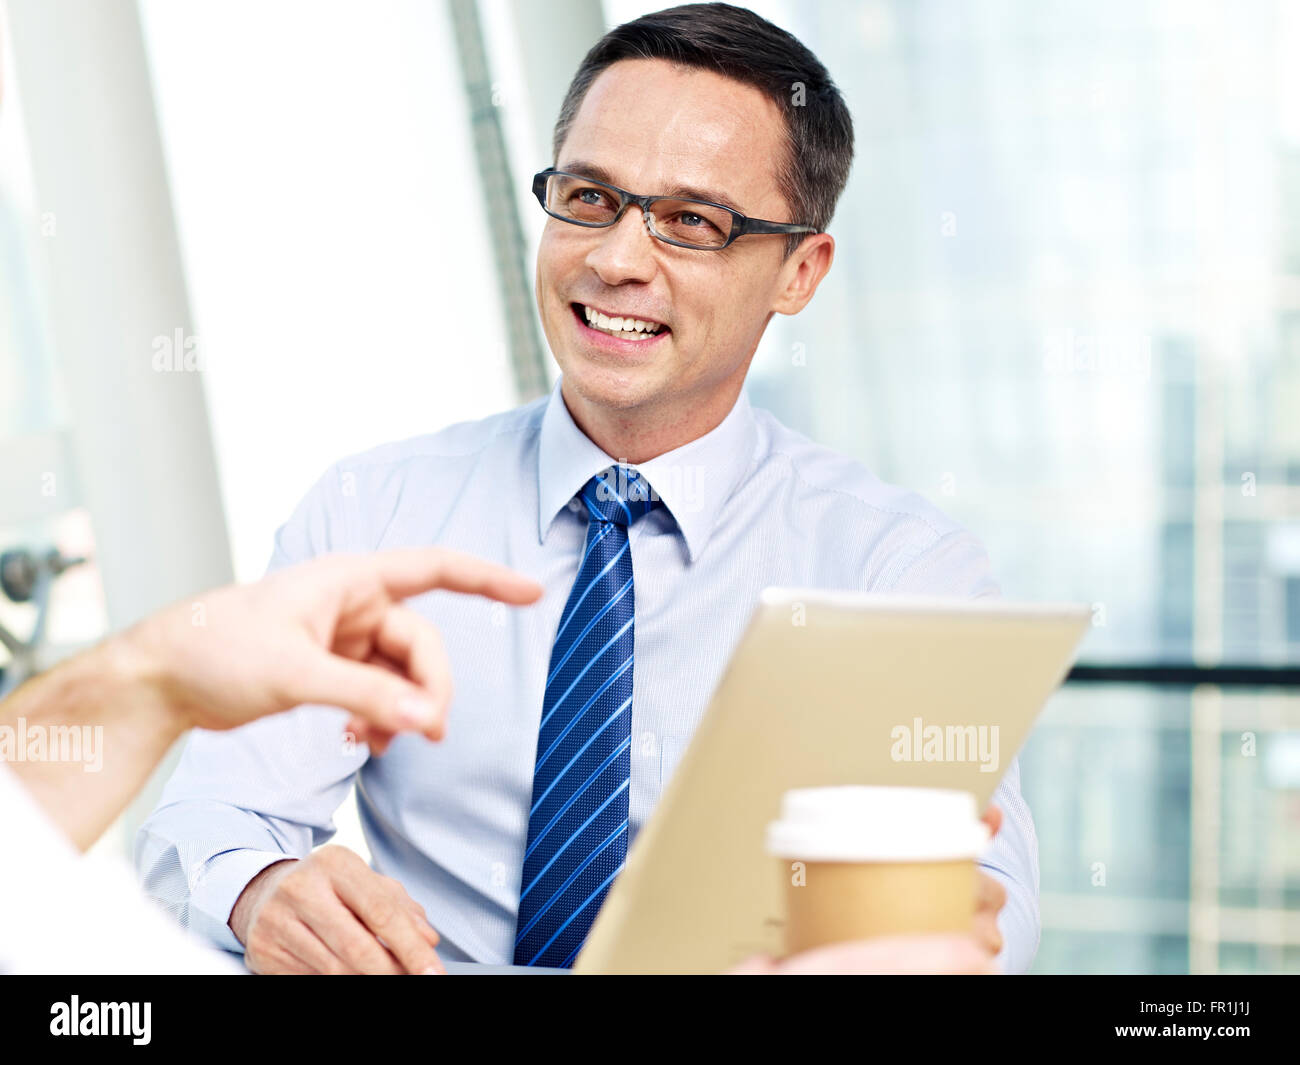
(824, 688)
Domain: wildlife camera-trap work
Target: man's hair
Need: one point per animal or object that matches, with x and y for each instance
(741, 45)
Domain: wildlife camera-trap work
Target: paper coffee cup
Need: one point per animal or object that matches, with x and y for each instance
(860, 862)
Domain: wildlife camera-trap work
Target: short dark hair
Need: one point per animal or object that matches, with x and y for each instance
(739, 44)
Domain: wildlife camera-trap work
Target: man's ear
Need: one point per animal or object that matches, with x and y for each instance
(803, 272)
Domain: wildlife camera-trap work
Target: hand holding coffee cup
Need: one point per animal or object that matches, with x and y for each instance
(990, 895)
(861, 862)
(927, 955)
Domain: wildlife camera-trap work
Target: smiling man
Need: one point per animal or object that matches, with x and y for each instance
(698, 157)
(653, 341)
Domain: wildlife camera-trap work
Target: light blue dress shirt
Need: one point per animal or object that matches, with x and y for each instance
(747, 505)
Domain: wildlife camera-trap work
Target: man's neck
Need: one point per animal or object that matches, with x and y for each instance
(639, 434)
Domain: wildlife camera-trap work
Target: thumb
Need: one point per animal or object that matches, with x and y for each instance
(379, 697)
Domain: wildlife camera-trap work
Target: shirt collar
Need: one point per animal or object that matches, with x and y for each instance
(694, 480)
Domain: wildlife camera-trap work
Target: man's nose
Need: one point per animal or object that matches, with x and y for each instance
(624, 251)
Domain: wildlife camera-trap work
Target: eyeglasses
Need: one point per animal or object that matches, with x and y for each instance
(672, 219)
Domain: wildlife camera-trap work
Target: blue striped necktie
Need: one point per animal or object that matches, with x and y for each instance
(578, 822)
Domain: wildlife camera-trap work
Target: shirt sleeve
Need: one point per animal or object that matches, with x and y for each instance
(63, 913)
(242, 799)
(957, 565)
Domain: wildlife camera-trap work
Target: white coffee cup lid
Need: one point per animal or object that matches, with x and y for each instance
(877, 824)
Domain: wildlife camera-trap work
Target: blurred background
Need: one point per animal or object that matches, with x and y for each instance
(1065, 306)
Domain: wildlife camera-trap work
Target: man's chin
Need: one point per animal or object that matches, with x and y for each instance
(610, 388)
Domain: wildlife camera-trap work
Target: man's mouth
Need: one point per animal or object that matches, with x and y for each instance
(625, 327)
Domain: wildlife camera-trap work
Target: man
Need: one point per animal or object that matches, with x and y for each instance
(689, 199)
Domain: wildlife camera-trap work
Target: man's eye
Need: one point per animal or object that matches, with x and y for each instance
(591, 197)
(694, 221)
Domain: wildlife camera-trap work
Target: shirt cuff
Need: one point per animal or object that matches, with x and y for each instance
(217, 888)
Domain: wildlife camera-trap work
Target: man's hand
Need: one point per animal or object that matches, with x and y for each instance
(331, 913)
(972, 953)
(332, 630)
(894, 955)
(990, 895)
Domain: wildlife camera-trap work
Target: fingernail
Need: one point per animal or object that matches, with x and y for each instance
(432, 971)
(415, 712)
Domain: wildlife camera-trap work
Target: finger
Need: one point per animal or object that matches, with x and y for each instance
(377, 740)
(388, 919)
(276, 960)
(310, 949)
(435, 967)
(383, 699)
(990, 897)
(990, 894)
(375, 737)
(372, 736)
(347, 938)
(384, 663)
(408, 571)
(413, 645)
(422, 921)
(987, 933)
(993, 818)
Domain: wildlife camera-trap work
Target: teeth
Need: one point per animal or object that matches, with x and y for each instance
(630, 328)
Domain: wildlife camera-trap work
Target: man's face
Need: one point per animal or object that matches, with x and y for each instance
(653, 129)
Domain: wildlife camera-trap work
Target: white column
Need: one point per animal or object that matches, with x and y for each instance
(553, 39)
(140, 440)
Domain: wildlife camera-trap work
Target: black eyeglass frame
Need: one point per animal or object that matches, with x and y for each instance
(741, 225)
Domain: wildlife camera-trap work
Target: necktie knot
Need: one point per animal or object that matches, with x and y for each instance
(620, 494)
